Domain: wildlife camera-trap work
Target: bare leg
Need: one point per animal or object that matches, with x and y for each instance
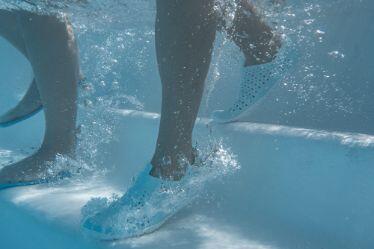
(10, 30)
(185, 32)
(29, 104)
(52, 51)
(252, 35)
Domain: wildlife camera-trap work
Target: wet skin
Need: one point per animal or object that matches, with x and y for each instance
(49, 44)
(185, 33)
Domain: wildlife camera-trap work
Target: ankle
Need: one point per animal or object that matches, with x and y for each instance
(59, 148)
(172, 165)
(167, 172)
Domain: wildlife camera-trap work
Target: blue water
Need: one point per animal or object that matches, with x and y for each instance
(308, 187)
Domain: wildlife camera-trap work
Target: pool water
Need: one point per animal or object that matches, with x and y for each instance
(294, 188)
(296, 172)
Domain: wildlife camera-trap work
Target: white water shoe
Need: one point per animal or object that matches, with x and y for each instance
(147, 204)
(256, 82)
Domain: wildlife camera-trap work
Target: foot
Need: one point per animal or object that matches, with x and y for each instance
(266, 60)
(255, 84)
(148, 204)
(31, 170)
(28, 106)
(171, 164)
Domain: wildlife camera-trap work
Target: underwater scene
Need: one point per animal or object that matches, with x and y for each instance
(238, 124)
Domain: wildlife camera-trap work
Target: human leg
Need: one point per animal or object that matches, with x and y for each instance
(265, 60)
(52, 51)
(185, 32)
(255, 38)
(30, 103)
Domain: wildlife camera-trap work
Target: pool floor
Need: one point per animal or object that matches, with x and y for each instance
(296, 188)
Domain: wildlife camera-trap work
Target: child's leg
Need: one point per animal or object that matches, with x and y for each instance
(52, 51)
(185, 32)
